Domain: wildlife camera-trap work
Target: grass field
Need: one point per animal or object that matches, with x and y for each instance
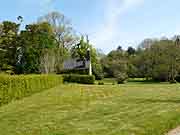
(131, 109)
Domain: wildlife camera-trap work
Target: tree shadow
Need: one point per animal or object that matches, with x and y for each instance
(143, 81)
(155, 101)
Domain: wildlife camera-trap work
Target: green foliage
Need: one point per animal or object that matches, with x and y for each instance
(17, 87)
(34, 40)
(116, 61)
(177, 78)
(8, 46)
(157, 60)
(131, 51)
(76, 71)
(160, 61)
(160, 73)
(98, 71)
(121, 78)
(132, 70)
(82, 79)
(81, 51)
(100, 83)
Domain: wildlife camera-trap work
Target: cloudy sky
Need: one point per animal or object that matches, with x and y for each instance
(108, 23)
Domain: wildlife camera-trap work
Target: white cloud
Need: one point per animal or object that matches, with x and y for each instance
(109, 29)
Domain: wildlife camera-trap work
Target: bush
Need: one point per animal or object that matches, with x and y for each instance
(82, 79)
(75, 71)
(100, 83)
(160, 73)
(177, 78)
(121, 78)
(98, 71)
(17, 87)
(172, 81)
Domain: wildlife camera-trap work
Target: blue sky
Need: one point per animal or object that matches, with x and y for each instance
(108, 23)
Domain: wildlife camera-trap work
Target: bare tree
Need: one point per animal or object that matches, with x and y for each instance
(48, 60)
(51, 60)
(147, 43)
(62, 28)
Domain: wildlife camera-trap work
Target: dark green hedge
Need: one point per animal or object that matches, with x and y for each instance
(177, 78)
(82, 79)
(17, 87)
(75, 71)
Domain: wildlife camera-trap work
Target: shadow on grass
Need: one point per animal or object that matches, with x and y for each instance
(131, 81)
(143, 81)
(154, 101)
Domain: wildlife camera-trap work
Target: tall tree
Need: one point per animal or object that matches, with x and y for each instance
(160, 61)
(62, 29)
(115, 63)
(131, 50)
(8, 45)
(146, 43)
(80, 50)
(119, 48)
(34, 39)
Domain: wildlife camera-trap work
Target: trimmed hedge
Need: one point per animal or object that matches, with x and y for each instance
(75, 71)
(177, 78)
(17, 87)
(82, 79)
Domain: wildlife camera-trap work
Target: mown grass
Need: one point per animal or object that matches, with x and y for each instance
(130, 109)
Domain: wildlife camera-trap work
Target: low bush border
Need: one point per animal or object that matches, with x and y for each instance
(81, 79)
(16, 87)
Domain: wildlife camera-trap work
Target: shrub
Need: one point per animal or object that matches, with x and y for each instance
(82, 79)
(121, 78)
(100, 83)
(98, 71)
(160, 73)
(172, 81)
(17, 87)
(75, 71)
(177, 78)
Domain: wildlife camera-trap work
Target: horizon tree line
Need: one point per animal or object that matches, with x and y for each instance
(42, 47)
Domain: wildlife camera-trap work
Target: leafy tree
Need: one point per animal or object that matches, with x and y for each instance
(80, 50)
(119, 48)
(98, 71)
(131, 51)
(160, 61)
(115, 62)
(121, 77)
(8, 46)
(20, 19)
(34, 39)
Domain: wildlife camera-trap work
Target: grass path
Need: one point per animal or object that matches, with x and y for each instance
(132, 109)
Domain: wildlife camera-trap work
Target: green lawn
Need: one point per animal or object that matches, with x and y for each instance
(131, 109)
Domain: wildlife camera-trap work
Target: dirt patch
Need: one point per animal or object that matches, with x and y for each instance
(174, 131)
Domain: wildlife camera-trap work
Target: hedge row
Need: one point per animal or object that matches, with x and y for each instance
(75, 71)
(17, 87)
(82, 79)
